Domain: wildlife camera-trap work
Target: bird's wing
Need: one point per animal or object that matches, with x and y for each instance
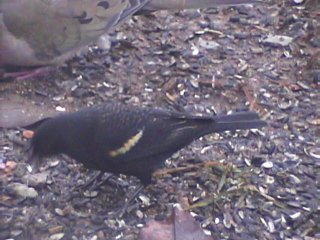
(148, 133)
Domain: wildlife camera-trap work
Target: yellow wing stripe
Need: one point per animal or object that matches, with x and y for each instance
(127, 146)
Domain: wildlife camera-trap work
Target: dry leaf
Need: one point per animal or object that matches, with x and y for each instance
(179, 226)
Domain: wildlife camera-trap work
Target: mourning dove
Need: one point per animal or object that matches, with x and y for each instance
(48, 32)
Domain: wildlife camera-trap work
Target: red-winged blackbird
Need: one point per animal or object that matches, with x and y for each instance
(130, 140)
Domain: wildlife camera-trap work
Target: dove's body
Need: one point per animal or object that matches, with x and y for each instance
(129, 140)
(38, 32)
(47, 32)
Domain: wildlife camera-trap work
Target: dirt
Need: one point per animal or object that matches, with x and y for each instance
(257, 184)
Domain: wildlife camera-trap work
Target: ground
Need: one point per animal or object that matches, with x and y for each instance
(266, 185)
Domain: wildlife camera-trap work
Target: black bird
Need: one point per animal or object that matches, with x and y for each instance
(130, 140)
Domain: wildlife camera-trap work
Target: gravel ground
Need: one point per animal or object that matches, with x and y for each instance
(258, 184)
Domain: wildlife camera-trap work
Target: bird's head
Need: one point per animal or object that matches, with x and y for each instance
(46, 141)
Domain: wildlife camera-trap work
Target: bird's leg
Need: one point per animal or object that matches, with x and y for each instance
(97, 180)
(27, 74)
(93, 180)
(114, 181)
(124, 209)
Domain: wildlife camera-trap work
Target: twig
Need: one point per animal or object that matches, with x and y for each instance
(187, 168)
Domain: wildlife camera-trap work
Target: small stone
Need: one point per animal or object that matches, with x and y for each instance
(56, 236)
(298, 1)
(313, 121)
(56, 229)
(194, 83)
(36, 179)
(271, 226)
(139, 214)
(256, 50)
(212, 45)
(15, 233)
(101, 235)
(313, 152)
(95, 237)
(295, 215)
(60, 109)
(145, 200)
(104, 42)
(269, 179)
(59, 211)
(277, 41)
(227, 219)
(267, 165)
(22, 190)
(90, 194)
(241, 214)
(54, 163)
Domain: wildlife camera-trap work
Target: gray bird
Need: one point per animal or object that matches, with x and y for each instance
(48, 32)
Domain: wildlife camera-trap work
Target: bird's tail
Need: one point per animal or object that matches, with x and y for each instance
(235, 121)
(154, 5)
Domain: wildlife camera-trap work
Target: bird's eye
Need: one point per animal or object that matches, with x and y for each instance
(104, 4)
